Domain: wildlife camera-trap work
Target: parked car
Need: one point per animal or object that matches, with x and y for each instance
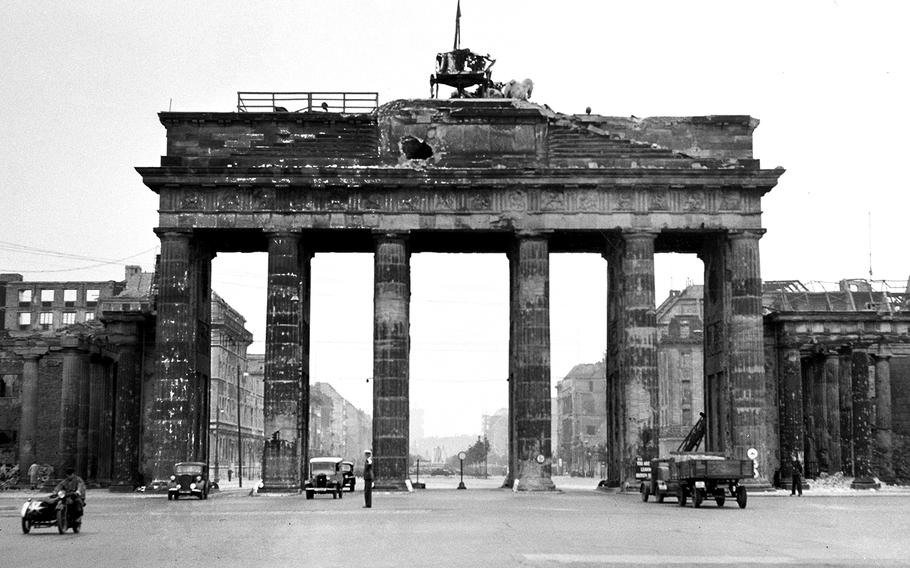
(190, 478)
(348, 480)
(325, 477)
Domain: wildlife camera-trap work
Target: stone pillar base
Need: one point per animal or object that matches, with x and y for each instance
(389, 485)
(865, 483)
(279, 489)
(536, 484)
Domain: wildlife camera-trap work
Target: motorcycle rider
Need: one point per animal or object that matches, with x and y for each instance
(72, 483)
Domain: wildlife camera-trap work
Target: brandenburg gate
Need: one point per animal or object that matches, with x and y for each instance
(461, 175)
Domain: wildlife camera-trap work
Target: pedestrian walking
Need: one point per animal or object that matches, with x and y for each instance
(33, 475)
(797, 469)
(367, 479)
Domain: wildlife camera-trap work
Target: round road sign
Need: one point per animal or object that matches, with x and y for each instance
(752, 453)
(462, 455)
(540, 458)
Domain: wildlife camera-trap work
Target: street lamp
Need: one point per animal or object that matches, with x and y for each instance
(461, 457)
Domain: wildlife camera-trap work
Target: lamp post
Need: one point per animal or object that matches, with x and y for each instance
(461, 457)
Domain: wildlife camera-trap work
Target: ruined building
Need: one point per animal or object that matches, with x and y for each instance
(498, 176)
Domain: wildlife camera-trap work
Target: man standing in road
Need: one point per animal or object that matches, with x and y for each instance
(367, 479)
(33, 476)
(797, 468)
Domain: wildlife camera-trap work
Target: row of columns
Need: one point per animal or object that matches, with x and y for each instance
(632, 378)
(95, 416)
(836, 411)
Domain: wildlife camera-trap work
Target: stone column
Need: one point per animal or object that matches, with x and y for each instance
(286, 413)
(863, 420)
(845, 397)
(832, 402)
(884, 449)
(127, 424)
(96, 403)
(746, 360)
(391, 364)
(639, 384)
(169, 435)
(28, 420)
(84, 405)
(511, 474)
(106, 425)
(616, 470)
(820, 407)
(791, 409)
(810, 448)
(71, 377)
(531, 364)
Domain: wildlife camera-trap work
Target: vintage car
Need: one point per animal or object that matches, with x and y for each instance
(325, 477)
(190, 478)
(348, 480)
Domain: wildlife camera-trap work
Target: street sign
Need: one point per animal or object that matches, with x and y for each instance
(752, 453)
(462, 455)
(540, 458)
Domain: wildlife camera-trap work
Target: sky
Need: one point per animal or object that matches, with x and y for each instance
(83, 82)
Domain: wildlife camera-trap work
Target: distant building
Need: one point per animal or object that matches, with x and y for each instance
(680, 365)
(72, 357)
(337, 427)
(27, 306)
(582, 420)
(496, 431)
(232, 448)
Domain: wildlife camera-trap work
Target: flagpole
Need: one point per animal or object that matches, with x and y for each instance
(457, 26)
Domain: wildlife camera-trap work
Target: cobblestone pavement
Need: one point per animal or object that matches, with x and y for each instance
(483, 526)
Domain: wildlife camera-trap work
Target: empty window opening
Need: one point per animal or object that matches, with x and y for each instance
(415, 148)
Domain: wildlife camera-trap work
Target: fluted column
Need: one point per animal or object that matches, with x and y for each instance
(845, 397)
(750, 406)
(531, 363)
(615, 406)
(96, 402)
(863, 420)
(84, 405)
(391, 366)
(106, 425)
(127, 424)
(832, 401)
(28, 420)
(286, 412)
(884, 449)
(633, 378)
(791, 410)
(169, 435)
(820, 408)
(71, 377)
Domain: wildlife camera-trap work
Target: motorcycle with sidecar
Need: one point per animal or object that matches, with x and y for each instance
(56, 510)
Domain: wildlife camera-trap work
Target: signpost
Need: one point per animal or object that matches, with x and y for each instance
(461, 457)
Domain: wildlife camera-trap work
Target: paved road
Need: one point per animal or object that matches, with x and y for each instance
(482, 526)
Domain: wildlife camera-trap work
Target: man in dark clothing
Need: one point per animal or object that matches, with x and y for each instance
(797, 469)
(72, 483)
(367, 479)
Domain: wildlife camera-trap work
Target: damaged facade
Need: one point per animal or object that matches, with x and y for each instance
(463, 175)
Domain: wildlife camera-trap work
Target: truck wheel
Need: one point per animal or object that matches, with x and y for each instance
(697, 497)
(741, 497)
(720, 499)
(309, 494)
(681, 496)
(660, 496)
(645, 490)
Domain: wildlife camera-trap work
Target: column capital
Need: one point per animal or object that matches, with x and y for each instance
(388, 235)
(171, 233)
(633, 234)
(532, 234)
(883, 351)
(746, 233)
(282, 234)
